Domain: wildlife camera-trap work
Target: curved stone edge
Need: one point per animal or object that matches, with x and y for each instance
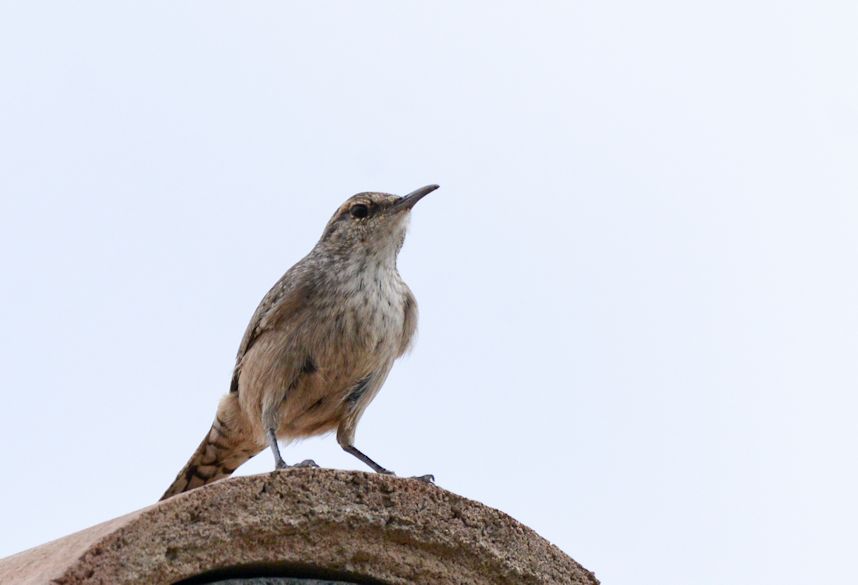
(43, 563)
(313, 522)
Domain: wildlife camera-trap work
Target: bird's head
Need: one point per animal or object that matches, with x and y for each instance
(372, 222)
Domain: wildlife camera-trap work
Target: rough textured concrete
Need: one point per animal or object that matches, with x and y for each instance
(327, 524)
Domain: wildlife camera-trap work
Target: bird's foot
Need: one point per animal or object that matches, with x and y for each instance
(428, 478)
(283, 465)
(306, 463)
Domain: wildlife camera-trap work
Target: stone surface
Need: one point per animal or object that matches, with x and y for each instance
(313, 523)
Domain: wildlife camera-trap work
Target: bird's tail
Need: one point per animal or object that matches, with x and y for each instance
(226, 446)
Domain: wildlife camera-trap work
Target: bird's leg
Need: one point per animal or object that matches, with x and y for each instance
(375, 466)
(275, 448)
(278, 459)
(346, 437)
(428, 478)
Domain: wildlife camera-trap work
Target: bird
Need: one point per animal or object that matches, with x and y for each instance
(320, 344)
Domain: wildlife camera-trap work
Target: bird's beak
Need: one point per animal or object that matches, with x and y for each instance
(411, 199)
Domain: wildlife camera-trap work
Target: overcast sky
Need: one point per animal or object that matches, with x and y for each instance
(638, 282)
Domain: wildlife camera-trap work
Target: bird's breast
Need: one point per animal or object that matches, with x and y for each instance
(354, 348)
(360, 314)
(377, 308)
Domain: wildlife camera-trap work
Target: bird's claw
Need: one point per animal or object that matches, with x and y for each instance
(428, 478)
(307, 463)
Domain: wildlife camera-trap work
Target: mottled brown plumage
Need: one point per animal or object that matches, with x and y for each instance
(320, 345)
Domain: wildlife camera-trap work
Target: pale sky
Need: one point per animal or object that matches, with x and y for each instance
(638, 282)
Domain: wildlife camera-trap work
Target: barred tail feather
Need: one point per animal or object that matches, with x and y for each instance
(222, 450)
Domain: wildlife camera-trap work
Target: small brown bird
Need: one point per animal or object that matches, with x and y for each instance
(320, 344)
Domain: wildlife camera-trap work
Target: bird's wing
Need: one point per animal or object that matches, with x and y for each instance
(409, 322)
(285, 299)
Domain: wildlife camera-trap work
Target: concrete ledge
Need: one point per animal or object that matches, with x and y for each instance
(322, 523)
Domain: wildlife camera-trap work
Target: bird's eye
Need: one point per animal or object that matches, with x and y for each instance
(359, 211)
